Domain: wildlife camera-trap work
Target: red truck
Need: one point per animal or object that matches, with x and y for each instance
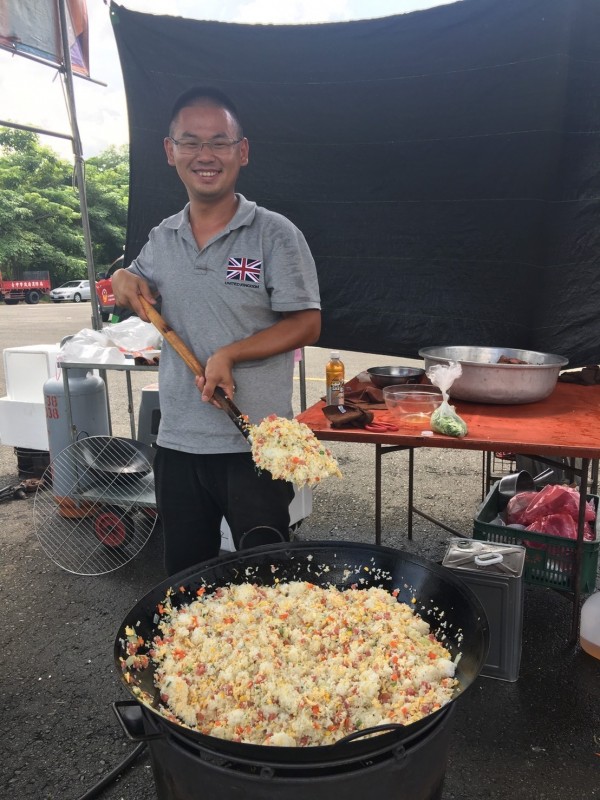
(28, 288)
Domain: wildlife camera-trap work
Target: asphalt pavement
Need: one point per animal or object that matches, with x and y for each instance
(537, 737)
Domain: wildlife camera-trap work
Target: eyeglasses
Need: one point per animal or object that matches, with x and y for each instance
(191, 146)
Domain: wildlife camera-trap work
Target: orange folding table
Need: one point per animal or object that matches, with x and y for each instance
(564, 425)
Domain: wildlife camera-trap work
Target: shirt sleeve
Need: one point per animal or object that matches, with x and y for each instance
(292, 275)
(143, 265)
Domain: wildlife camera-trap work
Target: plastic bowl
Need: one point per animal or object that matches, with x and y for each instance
(394, 376)
(412, 405)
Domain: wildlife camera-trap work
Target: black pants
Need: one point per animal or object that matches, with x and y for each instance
(194, 493)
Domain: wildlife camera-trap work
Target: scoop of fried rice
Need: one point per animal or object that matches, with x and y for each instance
(288, 449)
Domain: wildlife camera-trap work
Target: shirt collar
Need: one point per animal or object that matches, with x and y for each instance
(244, 215)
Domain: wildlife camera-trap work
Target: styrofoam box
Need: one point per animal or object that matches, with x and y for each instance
(23, 424)
(27, 369)
(300, 508)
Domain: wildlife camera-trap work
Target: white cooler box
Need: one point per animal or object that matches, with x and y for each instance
(22, 411)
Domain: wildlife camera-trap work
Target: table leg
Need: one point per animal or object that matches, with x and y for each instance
(130, 404)
(104, 377)
(411, 472)
(378, 454)
(484, 474)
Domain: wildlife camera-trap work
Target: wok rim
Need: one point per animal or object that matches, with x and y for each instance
(314, 753)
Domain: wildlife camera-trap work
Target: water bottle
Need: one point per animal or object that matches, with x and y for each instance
(334, 380)
(589, 630)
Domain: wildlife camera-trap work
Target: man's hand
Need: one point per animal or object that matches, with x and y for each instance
(218, 372)
(127, 288)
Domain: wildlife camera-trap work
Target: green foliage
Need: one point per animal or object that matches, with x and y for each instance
(107, 188)
(40, 212)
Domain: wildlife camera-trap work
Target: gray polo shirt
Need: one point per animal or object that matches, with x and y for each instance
(238, 284)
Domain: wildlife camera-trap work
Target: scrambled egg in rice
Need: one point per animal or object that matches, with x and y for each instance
(297, 664)
(289, 450)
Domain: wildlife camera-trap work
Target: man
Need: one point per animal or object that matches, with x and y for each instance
(238, 284)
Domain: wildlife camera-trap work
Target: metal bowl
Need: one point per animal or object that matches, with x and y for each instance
(394, 376)
(484, 380)
(516, 482)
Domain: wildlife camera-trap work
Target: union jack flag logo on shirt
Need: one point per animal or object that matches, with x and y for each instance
(243, 271)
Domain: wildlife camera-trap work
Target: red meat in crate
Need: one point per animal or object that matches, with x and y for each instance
(558, 525)
(555, 499)
(517, 506)
(554, 510)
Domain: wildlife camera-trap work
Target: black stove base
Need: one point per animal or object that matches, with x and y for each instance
(185, 771)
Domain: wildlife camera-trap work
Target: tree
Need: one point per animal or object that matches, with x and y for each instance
(40, 214)
(107, 187)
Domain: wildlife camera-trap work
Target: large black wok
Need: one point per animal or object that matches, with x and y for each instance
(451, 608)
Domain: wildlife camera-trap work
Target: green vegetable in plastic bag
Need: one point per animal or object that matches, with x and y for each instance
(445, 420)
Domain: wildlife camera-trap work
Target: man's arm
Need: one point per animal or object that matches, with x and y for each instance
(295, 329)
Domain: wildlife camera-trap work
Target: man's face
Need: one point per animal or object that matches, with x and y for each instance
(208, 175)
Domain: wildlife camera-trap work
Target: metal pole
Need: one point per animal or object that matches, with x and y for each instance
(79, 164)
(302, 374)
(411, 491)
(378, 454)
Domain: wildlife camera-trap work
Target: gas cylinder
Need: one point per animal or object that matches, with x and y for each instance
(89, 417)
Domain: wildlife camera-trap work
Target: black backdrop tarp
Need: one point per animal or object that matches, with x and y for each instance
(443, 164)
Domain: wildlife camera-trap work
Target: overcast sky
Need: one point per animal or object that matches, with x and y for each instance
(32, 94)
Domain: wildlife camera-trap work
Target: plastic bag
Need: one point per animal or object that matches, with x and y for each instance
(562, 525)
(89, 346)
(517, 506)
(555, 525)
(111, 345)
(444, 419)
(556, 499)
(134, 336)
(554, 510)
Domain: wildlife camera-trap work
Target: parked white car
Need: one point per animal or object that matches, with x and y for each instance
(72, 290)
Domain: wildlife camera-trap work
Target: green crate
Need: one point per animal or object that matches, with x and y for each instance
(551, 559)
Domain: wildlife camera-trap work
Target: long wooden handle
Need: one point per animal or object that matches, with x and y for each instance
(173, 339)
(196, 367)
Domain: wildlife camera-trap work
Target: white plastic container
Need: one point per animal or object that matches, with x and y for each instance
(22, 412)
(589, 630)
(149, 414)
(27, 369)
(23, 424)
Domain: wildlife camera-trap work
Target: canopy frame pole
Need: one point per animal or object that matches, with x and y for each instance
(79, 164)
